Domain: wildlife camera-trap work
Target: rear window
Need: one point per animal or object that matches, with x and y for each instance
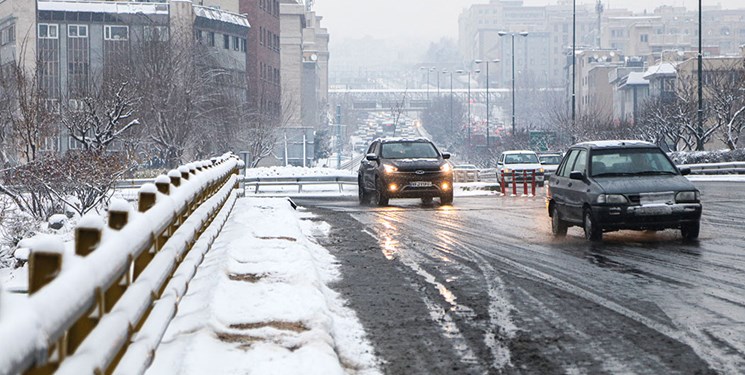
(408, 150)
(520, 158)
(550, 159)
(627, 161)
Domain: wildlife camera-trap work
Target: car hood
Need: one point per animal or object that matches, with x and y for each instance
(644, 184)
(404, 165)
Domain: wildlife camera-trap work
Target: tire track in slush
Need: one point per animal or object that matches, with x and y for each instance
(727, 357)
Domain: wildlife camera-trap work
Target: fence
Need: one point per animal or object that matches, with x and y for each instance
(256, 183)
(716, 168)
(84, 309)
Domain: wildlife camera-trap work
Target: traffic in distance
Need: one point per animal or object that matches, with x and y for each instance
(599, 186)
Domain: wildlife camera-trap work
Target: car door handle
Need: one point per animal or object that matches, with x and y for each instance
(570, 184)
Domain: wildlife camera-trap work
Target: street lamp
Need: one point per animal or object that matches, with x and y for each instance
(451, 98)
(700, 126)
(525, 34)
(478, 62)
(469, 99)
(428, 69)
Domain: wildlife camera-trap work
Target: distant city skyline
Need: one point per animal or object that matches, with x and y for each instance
(434, 19)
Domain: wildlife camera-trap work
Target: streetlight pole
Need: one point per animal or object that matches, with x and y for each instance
(700, 127)
(487, 96)
(525, 34)
(469, 102)
(451, 99)
(574, 61)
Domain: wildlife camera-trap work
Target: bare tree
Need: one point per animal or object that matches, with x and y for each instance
(726, 93)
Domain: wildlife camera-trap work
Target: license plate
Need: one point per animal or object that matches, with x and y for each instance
(421, 183)
(656, 198)
(654, 210)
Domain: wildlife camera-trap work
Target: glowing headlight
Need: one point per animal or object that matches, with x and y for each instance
(506, 170)
(687, 196)
(446, 167)
(389, 168)
(540, 170)
(612, 199)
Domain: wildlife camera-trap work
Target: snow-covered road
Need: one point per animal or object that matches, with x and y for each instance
(260, 303)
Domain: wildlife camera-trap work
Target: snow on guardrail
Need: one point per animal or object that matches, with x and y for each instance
(72, 312)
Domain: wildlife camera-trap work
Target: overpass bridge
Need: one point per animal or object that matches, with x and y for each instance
(410, 100)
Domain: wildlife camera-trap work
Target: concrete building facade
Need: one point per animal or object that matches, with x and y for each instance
(72, 44)
(264, 78)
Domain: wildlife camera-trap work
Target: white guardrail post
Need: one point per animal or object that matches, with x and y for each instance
(84, 309)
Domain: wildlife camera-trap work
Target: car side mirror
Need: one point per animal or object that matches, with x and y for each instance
(371, 157)
(685, 171)
(446, 155)
(577, 175)
(499, 163)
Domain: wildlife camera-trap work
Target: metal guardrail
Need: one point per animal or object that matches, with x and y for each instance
(257, 182)
(84, 309)
(716, 168)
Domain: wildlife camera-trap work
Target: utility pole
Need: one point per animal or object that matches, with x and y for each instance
(338, 136)
(599, 8)
(574, 61)
(700, 127)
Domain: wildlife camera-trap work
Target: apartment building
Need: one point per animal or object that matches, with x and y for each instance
(70, 44)
(264, 78)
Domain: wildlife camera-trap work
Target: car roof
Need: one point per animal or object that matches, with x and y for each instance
(518, 152)
(402, 139)
(615, 144)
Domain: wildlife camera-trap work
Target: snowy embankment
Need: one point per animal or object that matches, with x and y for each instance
(260, 303)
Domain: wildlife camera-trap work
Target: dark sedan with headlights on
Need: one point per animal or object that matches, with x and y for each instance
(404, 168)
(612, 185)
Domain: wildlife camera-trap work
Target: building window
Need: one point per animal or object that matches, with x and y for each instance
(77, 60)
(8, 35)
(77, 31)
(48, 31)
(644, 38)
(211, 39)
(199, 35)
(160, 33)
(111, 32)
(226, 41)
(236, 43)
(243, 45)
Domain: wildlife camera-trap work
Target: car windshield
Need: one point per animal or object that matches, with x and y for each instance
(408, 150)
(630, 161)
(520, 158)
(550, 159)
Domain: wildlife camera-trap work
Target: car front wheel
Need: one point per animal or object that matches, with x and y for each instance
(381, 198)
(446, 198)
(362, 194)
(593, 231)
(690, 231)
(558, 226)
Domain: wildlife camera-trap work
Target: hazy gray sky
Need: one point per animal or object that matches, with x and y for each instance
(433, 19)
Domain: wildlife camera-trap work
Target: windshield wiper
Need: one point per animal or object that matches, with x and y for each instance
(612, 174)
(647, 173)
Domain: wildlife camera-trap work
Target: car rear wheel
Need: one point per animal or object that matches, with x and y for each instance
(558, 226)
(593, 231)
(381, 198)
(690, 231)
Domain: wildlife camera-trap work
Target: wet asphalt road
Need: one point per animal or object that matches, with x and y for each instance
(482, 287)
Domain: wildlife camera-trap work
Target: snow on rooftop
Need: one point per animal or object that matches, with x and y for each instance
(637, 78)
(103, 6)
(660, 69)
(221, 15)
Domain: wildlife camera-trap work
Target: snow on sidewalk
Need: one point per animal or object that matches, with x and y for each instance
(260, 304)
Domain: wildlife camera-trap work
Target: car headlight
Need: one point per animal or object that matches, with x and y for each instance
(506, 170)
(389, 168)
(687, 196)
(446, 168)
(612, 199)
(540, 170)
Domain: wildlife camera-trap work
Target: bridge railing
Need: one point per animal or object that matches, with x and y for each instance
(85, 305)
(255, 183)
(716, 168)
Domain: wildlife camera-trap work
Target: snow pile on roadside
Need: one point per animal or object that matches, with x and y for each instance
(260, 303)
(291, 171)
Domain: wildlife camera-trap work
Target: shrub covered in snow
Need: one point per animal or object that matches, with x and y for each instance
(699, 157)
